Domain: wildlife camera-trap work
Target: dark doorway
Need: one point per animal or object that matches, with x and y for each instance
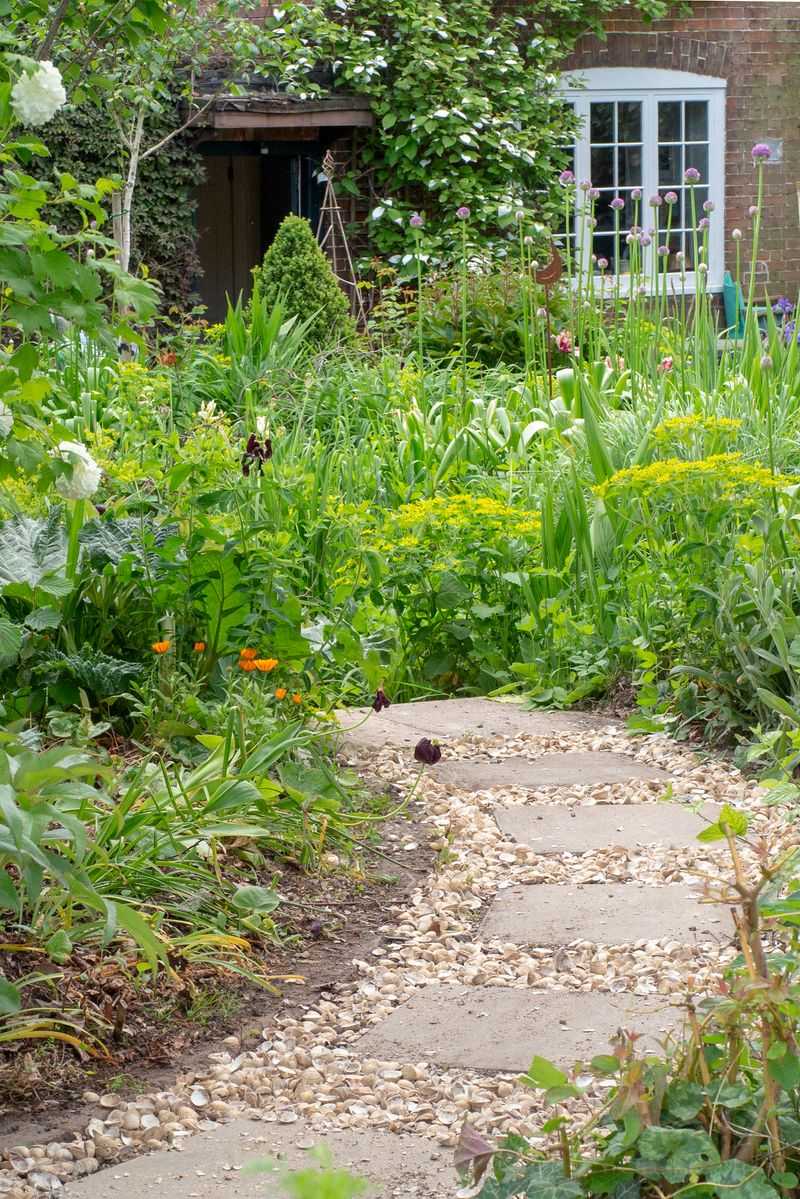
(249, 188)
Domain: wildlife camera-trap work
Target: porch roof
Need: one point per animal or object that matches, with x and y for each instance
(277, 110)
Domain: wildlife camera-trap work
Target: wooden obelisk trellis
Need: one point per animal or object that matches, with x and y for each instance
(332, 238)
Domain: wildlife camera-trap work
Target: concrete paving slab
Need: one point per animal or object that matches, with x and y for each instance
(210, 1165)
(501, 1028)
(554, 828)
(606, 913)
(404, 724)
(550, 770)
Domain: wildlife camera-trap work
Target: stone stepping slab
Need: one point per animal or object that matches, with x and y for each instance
(604, 913)
(502, 1028)
(581, 828)
(549, 770)
(211, 1165)
(405, 724)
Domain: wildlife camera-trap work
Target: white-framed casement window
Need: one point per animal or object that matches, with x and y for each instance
(642, 129)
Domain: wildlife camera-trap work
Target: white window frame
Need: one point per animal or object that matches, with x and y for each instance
(649, 85)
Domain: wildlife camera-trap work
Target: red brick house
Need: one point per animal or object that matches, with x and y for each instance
(699, 90)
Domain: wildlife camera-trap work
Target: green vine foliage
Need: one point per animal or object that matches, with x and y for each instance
(465, 99)
(84, 142)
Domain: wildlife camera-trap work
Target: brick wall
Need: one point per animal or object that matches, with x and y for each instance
(755, 46)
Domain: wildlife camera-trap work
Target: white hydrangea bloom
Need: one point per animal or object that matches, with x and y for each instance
(37, 97)
(6, 420)
(85, 477)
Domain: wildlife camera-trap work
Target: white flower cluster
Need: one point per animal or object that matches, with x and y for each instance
(85, 477)
(37, 97)
(6, 420)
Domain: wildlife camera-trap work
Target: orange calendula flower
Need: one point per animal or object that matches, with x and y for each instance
(247, 664)
(247, 655)
(160, 647)
(280, 693)
(199, 646)
(296, 698)
(265, 665)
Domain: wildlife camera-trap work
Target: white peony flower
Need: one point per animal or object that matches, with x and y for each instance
(37, 97)
(6, 420)
(85, 477)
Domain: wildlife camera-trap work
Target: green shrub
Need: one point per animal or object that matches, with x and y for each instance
(296, 272)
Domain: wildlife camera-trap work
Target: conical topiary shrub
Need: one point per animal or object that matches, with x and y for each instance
(296, 271)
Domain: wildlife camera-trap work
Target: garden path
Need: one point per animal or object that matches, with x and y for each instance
(561, 910)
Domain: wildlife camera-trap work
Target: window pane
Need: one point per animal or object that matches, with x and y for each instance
(630, 166)
(629, 119)
(602, 122)
(669, 166)
(602, 166)
(696, 120)
(697, 156)
(669, 120)
(604, 213)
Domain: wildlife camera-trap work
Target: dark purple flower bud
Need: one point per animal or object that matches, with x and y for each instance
(462, 213)
(427, 751)
(381, 700)
(761, 152)
(416, 221)
(617, 203)
(671, 197)
(256, 453)
(691, 175)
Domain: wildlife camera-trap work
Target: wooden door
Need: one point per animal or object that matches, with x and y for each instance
(229, 238)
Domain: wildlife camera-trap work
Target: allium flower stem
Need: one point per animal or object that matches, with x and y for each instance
(463, 310)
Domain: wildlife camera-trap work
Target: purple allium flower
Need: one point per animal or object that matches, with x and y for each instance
(645, 240)
(462, 213)
(736, 234)
(519, 216)
(656, 201)
(703, 268)
(671, 197)
(636, 229)
(703, 223)
(617, 203)
(585, 185)
(602, 264)
(691, 175)
(566, 178)
(663, 251)
(752, 210)
(708, 206)
(630, 238)
(594, 193)
(761, 151)
(416, 221)
(541, 313)
(636, 194)
(783, 306)
(766, 362)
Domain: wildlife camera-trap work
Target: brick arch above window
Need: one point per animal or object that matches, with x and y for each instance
(670, 51)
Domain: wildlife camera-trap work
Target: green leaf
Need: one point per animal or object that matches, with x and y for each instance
(542, 1073)
(605, 1063)
(684, 1100)
(675, 1153)
(10, 641)
(255, 899)
(59, 947)
(786, 1071)
(9, 899)
(43, 618)
(737, 1180)
(10, 998)
(451, 592)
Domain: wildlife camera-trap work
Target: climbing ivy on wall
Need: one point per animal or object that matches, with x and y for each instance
(84, 143)
(464, 95)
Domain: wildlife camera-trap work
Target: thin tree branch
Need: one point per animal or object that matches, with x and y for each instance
(50, 37)
(186, 125)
